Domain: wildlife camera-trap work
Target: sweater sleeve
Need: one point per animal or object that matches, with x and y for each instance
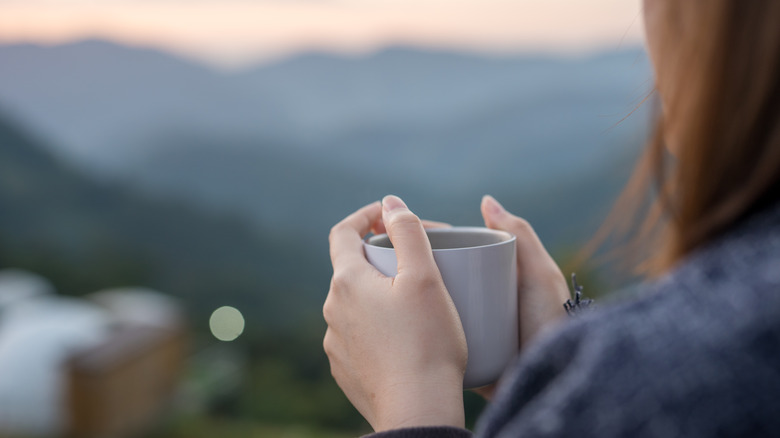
(423, 432)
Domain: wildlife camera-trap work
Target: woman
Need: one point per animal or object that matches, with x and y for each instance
(696, 354)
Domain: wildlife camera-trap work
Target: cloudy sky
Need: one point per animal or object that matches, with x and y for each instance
(235, 32)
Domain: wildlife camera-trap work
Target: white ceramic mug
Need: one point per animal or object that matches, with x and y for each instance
(479, 268)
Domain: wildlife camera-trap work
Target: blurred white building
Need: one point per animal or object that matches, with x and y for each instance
(89, 367)
(38, 332)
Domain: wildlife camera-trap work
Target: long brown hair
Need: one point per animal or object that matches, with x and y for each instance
(718, 77)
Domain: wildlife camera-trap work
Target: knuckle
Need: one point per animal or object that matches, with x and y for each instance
(404, 218)
(426, 280)
(344, 280)
(336, 229)
(327, 310)
(521, 225)
(340, 281)
(327, 344)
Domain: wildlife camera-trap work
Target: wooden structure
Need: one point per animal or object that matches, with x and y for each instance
(120, 387)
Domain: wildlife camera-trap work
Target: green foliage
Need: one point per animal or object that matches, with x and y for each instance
(473, 405)
(275, 393)
(85, 235)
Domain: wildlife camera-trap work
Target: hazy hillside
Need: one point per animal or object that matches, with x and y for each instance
(296, 144)
(88, 97)
(84, 236)
(401, 86)
(103, 101)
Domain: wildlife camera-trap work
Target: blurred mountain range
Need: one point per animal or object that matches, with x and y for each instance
(296, 144)
(86, 235)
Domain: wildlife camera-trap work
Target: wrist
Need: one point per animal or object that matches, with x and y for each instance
(429, 402)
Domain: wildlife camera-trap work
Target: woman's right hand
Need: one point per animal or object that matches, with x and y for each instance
(541, 287)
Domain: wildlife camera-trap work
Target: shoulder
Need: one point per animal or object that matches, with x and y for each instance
(699, 350)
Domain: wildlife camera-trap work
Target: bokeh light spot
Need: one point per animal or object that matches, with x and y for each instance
(226, 323)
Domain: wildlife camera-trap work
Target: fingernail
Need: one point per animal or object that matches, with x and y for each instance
(392, 202)
(491, 205)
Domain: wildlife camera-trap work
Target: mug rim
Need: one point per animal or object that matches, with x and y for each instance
(507, 238)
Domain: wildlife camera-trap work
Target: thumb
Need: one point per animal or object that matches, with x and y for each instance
(529, 247)
(406, 232)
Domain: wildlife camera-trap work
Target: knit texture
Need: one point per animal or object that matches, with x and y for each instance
(697, 353)
(424, 432)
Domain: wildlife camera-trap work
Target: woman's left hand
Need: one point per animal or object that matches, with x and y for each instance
(396, 345)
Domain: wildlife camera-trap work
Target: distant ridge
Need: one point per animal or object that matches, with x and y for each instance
(329, 132)
(83, 235)
(388, 52)
(87, 93)
(101, 46)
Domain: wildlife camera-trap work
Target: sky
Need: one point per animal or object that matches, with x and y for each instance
(232, 33)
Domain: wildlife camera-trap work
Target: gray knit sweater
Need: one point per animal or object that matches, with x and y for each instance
(696, 354)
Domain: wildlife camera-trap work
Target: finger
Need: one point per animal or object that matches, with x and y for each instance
(379, 226)
(346, 237)
(406, 232)
(529, 247)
